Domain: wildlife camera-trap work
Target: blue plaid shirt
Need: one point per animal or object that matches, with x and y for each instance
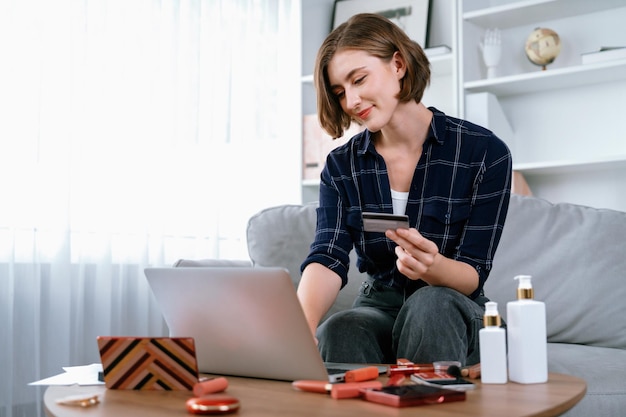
(458, 198)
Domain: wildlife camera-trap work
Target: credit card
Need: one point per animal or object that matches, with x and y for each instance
(379, 222)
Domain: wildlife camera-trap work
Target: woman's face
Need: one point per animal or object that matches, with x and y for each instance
(366, 86)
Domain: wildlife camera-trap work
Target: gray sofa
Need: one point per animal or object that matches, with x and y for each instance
(576, 255)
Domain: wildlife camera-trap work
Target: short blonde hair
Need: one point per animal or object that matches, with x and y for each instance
(379, 37)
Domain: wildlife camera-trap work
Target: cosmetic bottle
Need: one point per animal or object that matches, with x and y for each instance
(526, 336)
(493, 368)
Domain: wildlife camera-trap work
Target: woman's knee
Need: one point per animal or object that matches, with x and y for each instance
(354, 322)
(357, 335)
(339, 324)
(436, 308)
(431, 299)
(435, 294)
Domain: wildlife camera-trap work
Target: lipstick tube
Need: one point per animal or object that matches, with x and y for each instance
(336, 391)
(397, 380)
(362, 374)
(409, 369)
(210, 386)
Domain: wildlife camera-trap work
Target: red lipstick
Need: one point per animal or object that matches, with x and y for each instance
(337, 391)
(367, 373)
(210, 386)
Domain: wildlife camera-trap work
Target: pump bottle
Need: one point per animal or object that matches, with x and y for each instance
(492, 347)
(526, 336)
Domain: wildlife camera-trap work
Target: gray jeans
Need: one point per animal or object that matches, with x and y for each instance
(431, 324)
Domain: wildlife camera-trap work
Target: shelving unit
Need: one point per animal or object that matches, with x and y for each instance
(565, 135)
(563, 123)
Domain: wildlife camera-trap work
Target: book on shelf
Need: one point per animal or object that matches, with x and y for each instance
(606, 53)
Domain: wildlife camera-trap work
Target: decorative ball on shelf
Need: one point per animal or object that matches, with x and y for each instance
(542, 46)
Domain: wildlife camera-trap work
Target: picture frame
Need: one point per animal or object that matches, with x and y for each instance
(411, 15)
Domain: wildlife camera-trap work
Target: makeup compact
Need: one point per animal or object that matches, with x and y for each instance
(212, 404)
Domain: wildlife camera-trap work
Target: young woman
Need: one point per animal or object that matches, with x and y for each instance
(424, 298)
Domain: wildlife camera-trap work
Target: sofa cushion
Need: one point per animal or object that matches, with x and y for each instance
(602, 368)
(576, 255)
(281, 236)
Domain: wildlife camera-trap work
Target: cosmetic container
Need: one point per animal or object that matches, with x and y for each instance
(526, 336)
(492, 340)
(210, 386)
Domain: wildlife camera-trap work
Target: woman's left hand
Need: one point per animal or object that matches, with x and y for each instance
(416, 254)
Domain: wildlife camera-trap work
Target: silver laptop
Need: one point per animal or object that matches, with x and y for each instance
(246, 321)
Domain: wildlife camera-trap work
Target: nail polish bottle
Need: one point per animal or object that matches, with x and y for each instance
(526, 336)
(492, 337)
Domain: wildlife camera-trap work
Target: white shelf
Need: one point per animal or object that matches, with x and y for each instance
(564, 167)
(551, 79)
(527, 12)
(592, 93)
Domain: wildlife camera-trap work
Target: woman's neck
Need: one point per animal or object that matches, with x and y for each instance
(400, 144)
(407, 129)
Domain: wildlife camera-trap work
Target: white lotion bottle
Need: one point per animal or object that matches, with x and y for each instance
(492, 338)
(526, 336)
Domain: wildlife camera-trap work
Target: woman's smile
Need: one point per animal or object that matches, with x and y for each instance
(364, 113)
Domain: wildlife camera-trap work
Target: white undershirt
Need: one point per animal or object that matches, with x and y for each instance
(399, 200)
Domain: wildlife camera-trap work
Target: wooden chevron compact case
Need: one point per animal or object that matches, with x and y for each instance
(148, 363)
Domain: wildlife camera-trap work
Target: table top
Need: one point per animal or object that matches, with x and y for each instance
(275, 398)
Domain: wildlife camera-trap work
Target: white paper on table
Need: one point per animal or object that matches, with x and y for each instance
(74, 375)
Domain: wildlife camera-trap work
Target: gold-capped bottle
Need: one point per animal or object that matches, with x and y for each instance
(492, 347)
(526, 336)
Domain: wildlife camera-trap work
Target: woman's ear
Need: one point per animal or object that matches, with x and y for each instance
(399, 65)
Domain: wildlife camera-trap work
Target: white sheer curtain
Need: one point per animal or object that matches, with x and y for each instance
(132, 133)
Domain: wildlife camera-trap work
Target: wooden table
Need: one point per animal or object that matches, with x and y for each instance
(274, 399)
